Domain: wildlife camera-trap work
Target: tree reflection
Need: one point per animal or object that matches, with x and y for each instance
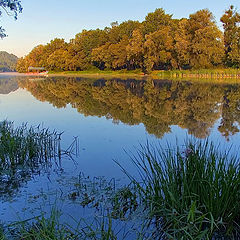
(158, 104)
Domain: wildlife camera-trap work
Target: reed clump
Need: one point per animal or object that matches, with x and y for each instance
(25, 151)
(192, 192)
(27, 145)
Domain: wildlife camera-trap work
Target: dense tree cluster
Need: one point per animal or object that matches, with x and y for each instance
(157, 104)
(159, 42)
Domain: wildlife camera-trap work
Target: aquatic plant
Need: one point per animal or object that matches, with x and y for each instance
(25, 151)
(49, 227)
(42, 228)
(23, 145)
(192, 192)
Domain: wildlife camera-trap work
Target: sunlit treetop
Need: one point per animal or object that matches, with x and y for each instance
(11, 8)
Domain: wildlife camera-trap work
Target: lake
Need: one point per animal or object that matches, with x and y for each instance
(111, 117)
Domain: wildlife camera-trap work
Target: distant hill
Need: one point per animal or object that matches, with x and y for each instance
(8, 62)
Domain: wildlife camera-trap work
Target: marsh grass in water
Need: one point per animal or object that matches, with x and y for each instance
(23, 145)
(25, 151)
(39, 228)
(50, 228)
(192, 192)
(187, 192)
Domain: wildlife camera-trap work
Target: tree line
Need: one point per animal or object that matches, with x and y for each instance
(160, 42)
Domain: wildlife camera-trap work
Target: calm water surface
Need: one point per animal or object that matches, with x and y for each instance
(110, 116)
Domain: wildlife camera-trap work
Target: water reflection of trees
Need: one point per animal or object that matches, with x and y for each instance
(158, 104)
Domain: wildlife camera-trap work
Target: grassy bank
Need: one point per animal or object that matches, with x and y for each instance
(178, 74)
(97, 73)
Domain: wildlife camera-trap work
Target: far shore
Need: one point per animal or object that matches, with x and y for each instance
(13, 74)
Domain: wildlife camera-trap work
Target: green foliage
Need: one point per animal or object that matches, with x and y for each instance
(205, 40)
(44, 229)
(156, 20)
(159, 49)
(193, 192)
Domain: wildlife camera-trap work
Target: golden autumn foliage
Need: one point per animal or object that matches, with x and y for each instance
(158, 43)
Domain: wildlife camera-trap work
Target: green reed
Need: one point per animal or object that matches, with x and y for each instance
(27, 145)
(49, 228)
(41, 228)
(192, 193)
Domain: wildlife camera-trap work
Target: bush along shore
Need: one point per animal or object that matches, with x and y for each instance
(187, 192)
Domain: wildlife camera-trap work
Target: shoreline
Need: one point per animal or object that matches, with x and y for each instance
(160, 74)
(220, 75)
(12, 74)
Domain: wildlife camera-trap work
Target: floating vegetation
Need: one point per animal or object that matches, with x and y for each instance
(107, 197)
(94, 192)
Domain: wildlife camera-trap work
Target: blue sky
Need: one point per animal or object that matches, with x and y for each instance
(43, 20)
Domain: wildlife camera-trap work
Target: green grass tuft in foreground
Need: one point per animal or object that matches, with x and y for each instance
(192, 193)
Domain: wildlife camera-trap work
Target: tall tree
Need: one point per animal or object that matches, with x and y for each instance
(135, 49)
(182, 44)
(112, 55)
(231, 21)
(206, 40)
(155, 20)
(117, 32)
(84, 43)
(159, 47)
